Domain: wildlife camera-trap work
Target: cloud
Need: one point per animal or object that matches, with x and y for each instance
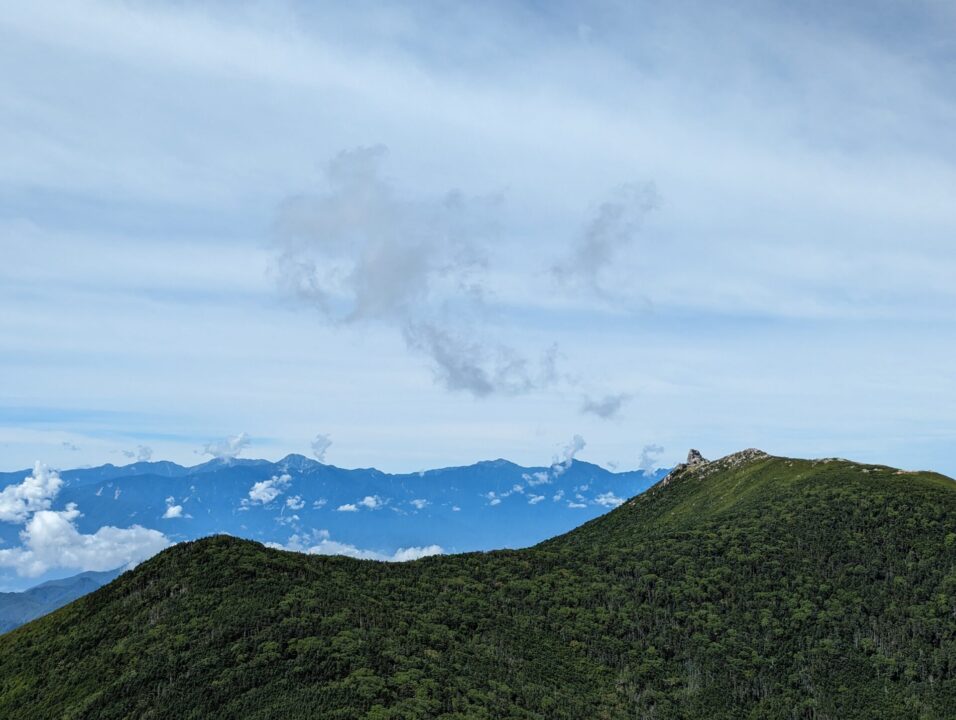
(320, 503)
(535, 499)
(649, 456)
(540, 477)
(142, 453)
(227, 448)
(319, 542)
(608, 499)
(51, 540)
(320, 445)
(605, 408)
(348, 507)
(265, 491)
(572, 504)
(613, 228)
(493, 498)
(361, 253)
(461, 363)
(36, 492)
(70, 446)
(558, 496)
(561, 464)
(294, 502)
(419, 503)
(372, 502)
(173, 511)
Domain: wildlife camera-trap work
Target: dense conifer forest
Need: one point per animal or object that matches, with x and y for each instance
(749, 587)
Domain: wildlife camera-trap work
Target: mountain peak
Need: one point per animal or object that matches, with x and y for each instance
(697, 463)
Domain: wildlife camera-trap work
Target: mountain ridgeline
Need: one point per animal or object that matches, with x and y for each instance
(748, 587)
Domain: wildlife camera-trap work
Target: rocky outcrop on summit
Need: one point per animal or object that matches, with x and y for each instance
(701, 467)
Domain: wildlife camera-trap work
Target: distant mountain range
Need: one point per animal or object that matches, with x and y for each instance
(747, 587)
(304, 504)
(17, 608)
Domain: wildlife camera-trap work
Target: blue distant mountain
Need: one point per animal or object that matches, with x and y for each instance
(304, 504)
(17, 608)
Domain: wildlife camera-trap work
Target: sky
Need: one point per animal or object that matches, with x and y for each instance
(427, 234)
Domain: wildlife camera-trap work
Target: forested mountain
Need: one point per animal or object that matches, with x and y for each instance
(748, 587)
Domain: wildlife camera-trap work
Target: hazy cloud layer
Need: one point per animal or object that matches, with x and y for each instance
(805, 155)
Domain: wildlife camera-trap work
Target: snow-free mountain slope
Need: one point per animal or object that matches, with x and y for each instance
(751, 586)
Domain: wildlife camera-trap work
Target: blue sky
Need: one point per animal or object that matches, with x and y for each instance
(441, 233)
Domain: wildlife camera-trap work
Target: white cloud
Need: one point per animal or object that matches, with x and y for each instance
(561, 465)
(320, 445)
(294, 502)
(419, 503)
(51, 540)
(608, 499)
(535, 499)
(173, 511)
(116, 493)
(36, 492)
(227, 448)
(455, 508)
(348, 507)
(320, 503)
(576, 505)
(319, 542)
(265, 491)
(541, 477)
(558, 495)
(494, 501)
(649, 456)
(372, 502)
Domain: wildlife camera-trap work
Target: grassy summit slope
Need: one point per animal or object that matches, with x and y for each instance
(748, 587)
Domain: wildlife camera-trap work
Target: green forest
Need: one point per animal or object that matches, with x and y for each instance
(749, 587)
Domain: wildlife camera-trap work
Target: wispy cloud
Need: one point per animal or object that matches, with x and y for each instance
(227, 448)
(606, 407)
(649, 456)
(612, 230)
(142, 453)
(363, 253)
(320, 445)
